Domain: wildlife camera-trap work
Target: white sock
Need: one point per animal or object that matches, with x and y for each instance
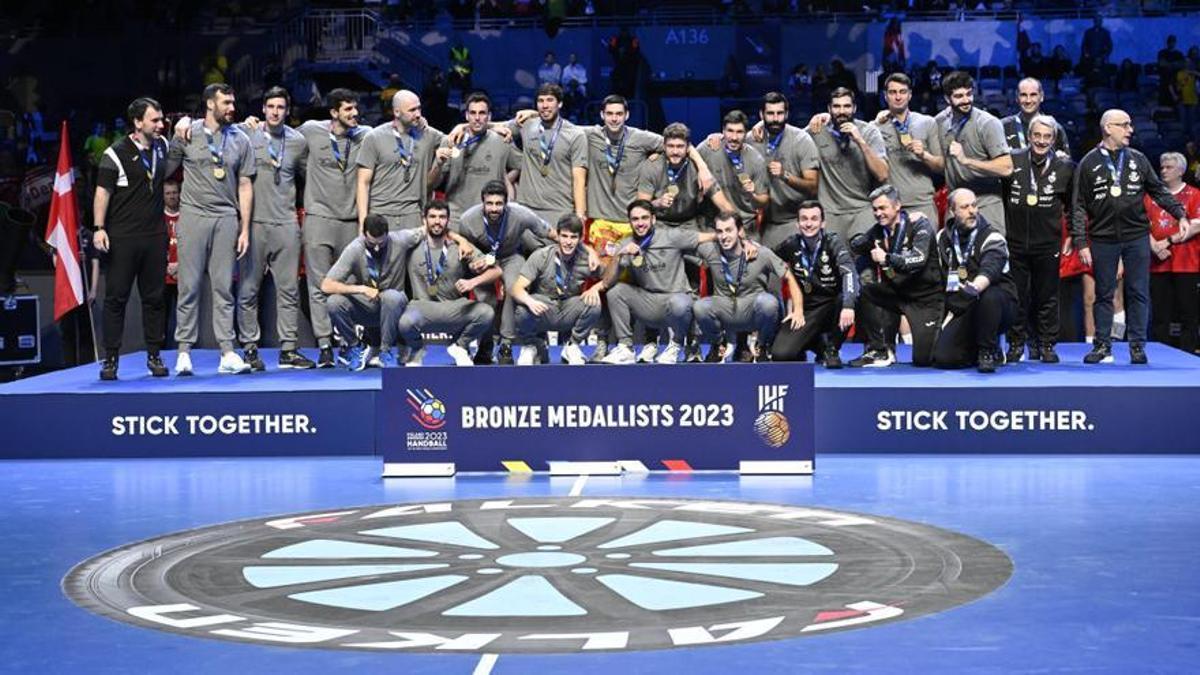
(906, 338)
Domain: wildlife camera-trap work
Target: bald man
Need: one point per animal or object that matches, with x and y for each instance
(397, 165)
(1016, 126)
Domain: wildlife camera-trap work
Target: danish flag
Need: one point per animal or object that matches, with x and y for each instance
(62, 234)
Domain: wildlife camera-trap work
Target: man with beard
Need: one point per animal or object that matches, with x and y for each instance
(822, 264)
(902, 247)
(671, 183)
(741, 298)
(441, 282)
(549, 295)
(1109, 226)
(974, 149)
(1016, 126)
(1035, 198)
(397, 165)
(792, 162)
(853, 158)
(980, 295)
(657, 293)
(914, 151)
(555, 159)
(127, 213)
(280, 153)
(479, 157)
(214, 222)
(739, 169)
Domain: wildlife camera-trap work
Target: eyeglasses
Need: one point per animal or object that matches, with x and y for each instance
(1125, 125)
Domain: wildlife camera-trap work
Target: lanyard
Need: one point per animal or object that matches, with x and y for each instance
(735, 159)
(902, 128)
(956, 128)
(960, 253)
(773, 143)
(472, 140)
(728, 273)
(374, 268)
(614, 159)
(498, 239)
(674, 174)
(218, 156)
(277, 155)
(564, 270)
(810, 263)
(432, 274)
(1114, 170)
(149, 161)
(897, 243)
(404, 153)
(1034, 172)
(337, 153)
(548, 146)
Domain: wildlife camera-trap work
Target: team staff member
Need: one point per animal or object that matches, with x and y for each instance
(554, 160)
(127, 212)
(792, 165)
(914, 150)
(741, 299)
(214, 222)
(441, 282)
(657, 292)
(824, 269)
(398, 164)
(976, 153)
(1017, 125)
(474, 156)
(980, 295)
(903, 248)
(1035, 197)
(549, 295)
(1175, 269)
(330, 214)
(365, 287)
(853, 159)
(280, 153)
(739, 169)
(1108, 211)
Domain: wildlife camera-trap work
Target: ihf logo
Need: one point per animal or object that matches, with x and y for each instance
(771, 424)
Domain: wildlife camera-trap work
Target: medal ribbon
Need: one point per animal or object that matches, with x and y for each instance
(432, 273)
(728, 273)
(1114, 170)
(564, 270)
(960, 253)
(498, 238)
(548, 146)
(218, 156)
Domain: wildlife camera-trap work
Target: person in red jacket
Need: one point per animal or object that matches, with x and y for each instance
(1175, 261)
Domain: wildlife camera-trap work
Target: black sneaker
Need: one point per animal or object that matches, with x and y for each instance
(873, 358)
(324, 358)
(742, 354)
(763, 355)
(543, 353)
(1016, 352)
(832, 359)
(504, 356)
(987, 362)
(154, 364)
(1047, 354)
(483, 357)
(1035, 353)
(714, 353)
(291, 358)
(1137, 354)
(691, 352)
(1101, 353)
(251, 357)
(108, 369)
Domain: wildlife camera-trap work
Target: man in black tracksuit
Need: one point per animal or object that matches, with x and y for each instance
(822, 264)
(1034, 198)
(909, 279)
(1109, 226)
(980, 295)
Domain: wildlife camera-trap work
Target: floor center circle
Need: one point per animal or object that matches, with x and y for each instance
(540, 559)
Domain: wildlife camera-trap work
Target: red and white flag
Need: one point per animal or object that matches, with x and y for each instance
(62, 233)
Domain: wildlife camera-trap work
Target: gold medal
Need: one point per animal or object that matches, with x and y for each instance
(743, 177)
(545, 168)
(905, 139)
(672, 189)
(489, 260)
(275, 163)
(962, 273)
(638, 261)
(1031, 200)
(219, 172)
(1115, 191)
(455, 153)
(807, 287)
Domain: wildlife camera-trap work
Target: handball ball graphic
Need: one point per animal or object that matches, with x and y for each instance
(433, 412)
(773, 428)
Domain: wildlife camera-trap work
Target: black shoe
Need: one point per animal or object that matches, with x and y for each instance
(743, 355)
(987, 362)
(291, 358)
(543, 353)
(1035, 353)
(873, 358)
(691, 352)
(108, 369)
(833, 360)
(763, 355)
(1101, 353)
(251, 357)
(325, 358)
(1137, 354)
(154, 364)
(504, 356)
(1016, 352)
(714, 353)
(483, 357)
(1047, 354)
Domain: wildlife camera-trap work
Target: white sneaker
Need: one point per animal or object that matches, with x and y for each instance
(373, 358)
(183, 364)
(232, 364)
(670, 354)
(460, 355)
(648, 352)
(727, 352)
(573, 355)
(528, 355)
(620, 355)
(415, 359)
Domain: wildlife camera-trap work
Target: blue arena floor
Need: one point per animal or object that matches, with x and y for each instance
(1104, 552)
(1168, 367)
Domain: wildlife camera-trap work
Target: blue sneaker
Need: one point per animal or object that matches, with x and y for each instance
(385, 359)
(356, 358)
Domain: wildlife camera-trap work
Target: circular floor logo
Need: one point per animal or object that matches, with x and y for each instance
(539, 575)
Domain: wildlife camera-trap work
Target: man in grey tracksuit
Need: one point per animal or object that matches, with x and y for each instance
(397, 164)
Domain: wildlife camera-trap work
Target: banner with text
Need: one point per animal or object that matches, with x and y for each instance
(699, 416)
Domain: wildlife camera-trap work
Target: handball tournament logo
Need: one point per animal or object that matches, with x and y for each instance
(771, 425)
(538, 575)
(428, 410)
